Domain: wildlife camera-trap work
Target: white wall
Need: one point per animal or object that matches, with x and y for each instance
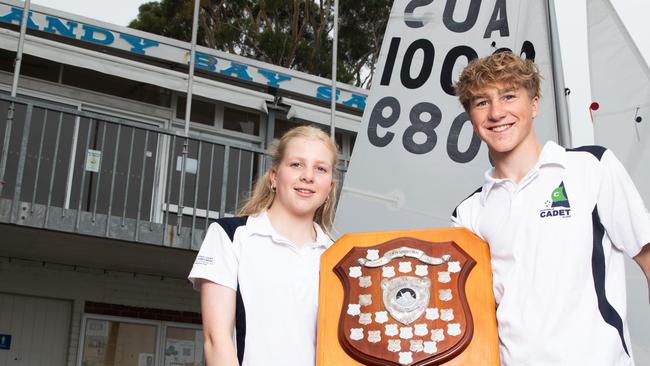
(83, 284)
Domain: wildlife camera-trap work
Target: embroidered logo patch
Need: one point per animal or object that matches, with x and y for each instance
(558, 204)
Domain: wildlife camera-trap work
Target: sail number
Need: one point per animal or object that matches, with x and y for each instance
(420, 137)
(424, 118)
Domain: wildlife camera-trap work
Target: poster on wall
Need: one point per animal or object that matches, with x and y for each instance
(145, 359)
(179, 352)
(96, 328)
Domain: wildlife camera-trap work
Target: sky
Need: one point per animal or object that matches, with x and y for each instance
(119, 12)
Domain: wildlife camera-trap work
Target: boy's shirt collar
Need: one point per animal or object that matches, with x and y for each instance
(551, 154)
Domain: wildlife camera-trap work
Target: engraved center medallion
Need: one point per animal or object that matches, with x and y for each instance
(406, 297)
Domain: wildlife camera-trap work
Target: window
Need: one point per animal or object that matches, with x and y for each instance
(113, 85)
(339, 140)
(31, 66)
(202, 112)
(241, 121)
(120, 341)
(183, 346)
(282, 126)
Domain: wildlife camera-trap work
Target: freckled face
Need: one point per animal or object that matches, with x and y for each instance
(503, 116)
(303, 178)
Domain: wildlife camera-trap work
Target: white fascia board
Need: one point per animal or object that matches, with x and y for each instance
(305, 77)
(231, 94)
(313, 113)
(133, 70)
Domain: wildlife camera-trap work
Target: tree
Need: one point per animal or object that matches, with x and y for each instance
(361, 31)
(290, 33)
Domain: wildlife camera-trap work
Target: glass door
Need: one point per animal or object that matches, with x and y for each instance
(183, 346)
(118, 343)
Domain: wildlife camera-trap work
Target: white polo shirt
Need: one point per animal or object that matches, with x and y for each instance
(277, 285)
(557, 242)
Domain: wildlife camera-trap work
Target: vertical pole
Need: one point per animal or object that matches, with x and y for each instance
(268, 140)
(83, 175)
(19, 52)
(113, 174)
(224, 180)
(5, 147)
(196, 191)
(38, 162)
(188, 108)
(170, 172)
(71, 163)
(156, 209)
(142, 176)
(128, 179)
(207, 208)
(22, 157)
(53, 172)
(335, 42)
(190, 79)
(561, 98)
(14, 88)
(99, 174)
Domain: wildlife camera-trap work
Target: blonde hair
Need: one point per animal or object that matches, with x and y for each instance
(262, 195)
(501, 67)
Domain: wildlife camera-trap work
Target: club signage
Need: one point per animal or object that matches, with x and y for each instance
(206, 59)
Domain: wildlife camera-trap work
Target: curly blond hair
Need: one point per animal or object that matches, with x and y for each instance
(502, 67)
(262, 195)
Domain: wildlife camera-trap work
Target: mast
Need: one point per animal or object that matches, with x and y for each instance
(335, 41)
(561, 92)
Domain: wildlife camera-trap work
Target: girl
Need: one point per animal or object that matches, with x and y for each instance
(258, 272)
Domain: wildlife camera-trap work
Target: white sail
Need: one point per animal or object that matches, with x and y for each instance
(416, 156)
(599, 55)
(619, 55)
(620, 83)
(605, 54)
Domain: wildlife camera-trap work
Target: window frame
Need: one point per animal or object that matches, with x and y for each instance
(160, 326)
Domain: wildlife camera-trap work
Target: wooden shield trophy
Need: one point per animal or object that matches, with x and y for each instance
(419, 297)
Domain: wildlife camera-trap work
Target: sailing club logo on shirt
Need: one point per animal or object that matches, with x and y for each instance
(558, 204)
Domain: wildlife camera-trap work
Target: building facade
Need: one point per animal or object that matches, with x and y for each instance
(100, 214)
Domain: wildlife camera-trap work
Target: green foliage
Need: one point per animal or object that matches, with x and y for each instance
(290, 33)
(362, 25)
(150, 18)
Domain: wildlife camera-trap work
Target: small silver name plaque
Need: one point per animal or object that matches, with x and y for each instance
(401, 253)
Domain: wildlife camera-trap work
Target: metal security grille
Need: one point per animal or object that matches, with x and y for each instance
(99, 175)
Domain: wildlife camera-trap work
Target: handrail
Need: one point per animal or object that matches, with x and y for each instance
(112, 171)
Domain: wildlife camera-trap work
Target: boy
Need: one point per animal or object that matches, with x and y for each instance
(558, 222)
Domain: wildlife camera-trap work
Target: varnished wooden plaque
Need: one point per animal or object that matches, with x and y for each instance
(421, 297)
